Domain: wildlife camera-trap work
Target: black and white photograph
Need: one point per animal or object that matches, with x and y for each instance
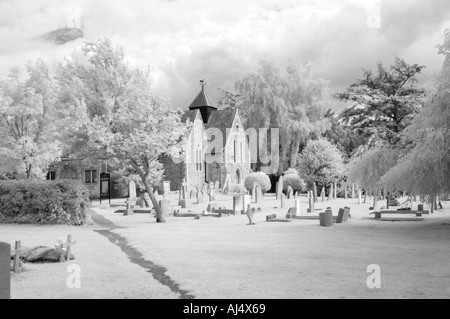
(238, 152)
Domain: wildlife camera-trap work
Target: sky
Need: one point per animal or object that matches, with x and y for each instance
(184, 41)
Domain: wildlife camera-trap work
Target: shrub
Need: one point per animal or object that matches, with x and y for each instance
(297, 184)
(260, 179)
(291, 171)
(43, 202)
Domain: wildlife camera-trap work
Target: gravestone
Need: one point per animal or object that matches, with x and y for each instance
(129, 211)
(166, 188)
(359, 196)
(326, 219)
(322, 194)
(347, 211)
(311, 208)
(420, 207)
(217, 186)
(238, 207)
(165, 207)
(226, 189)
(5, 271)
(185, 203)
(290, 192)
(212, 207)
(259, 195)
(280, 187)
(250, 212)
(330, 192)
(132, 189)
(199, 197)
(254, 192)
(297, 207)
(343, 216)
(283, 201)
(246, 200)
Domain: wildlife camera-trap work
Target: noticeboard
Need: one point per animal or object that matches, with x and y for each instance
(105, 187)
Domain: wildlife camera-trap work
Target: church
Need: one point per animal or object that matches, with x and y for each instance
(228, 164)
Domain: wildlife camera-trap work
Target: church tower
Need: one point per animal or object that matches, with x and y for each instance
(203, 103)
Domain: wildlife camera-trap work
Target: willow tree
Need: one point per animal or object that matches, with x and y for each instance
(290, 100)
(425, 169)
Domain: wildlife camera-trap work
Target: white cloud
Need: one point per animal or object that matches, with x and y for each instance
(185, 41)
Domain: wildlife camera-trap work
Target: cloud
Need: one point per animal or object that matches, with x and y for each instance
(185, 41)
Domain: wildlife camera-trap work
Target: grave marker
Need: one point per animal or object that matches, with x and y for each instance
(322, 194)
(311, 208)
(326, 219)
(129, 211)
(359, 196)
(165, 207)
(238, 205)
(16, 253)
(246, 200)
(5, 271)
(290, 192)
(283, 200)
(343, 216)
(280, 187)
(132, 189)
(259, 195)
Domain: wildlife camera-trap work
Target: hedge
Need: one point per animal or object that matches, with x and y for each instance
(43, 202)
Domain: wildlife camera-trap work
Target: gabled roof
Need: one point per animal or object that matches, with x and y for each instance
(189, 115)
(202, 100)
(222, 120)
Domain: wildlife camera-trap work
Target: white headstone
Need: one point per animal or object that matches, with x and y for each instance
(132, 190)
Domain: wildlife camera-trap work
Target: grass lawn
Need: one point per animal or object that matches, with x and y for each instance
(225, 258)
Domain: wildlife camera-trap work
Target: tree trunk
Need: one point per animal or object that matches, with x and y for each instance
(365, 196)
(159, 214)
(335, 191)
(345, 192)
(315, 192)
(353, 191)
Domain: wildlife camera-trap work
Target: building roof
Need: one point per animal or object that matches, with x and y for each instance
(189, 115)
(222, 120)
(202, 100)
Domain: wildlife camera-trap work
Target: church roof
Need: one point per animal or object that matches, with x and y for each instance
(202, 100)
(189, 115)
(222, 120)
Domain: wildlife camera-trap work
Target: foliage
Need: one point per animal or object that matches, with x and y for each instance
(290, 100)
(31, 120)
(260, 179)
(120, 117)
(386, 102)
(342, 136)
(367, 169)
(425, 168)
(320, 162)
(43, 202)
(291, 171)
(297, 184)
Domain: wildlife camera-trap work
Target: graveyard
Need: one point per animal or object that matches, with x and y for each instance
(225, 257)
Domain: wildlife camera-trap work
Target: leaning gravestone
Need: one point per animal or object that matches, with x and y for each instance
(5, 271)
(297, 207)
(343, 216)
(132, 190)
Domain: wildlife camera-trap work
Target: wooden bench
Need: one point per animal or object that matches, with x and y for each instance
(418, 213)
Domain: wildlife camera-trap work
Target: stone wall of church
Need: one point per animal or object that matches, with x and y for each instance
(195, 163)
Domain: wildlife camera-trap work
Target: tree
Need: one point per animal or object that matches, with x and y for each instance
(386, 102)
(342, 136)
(30, 120)
(425, 167)
(320, 163)
(290, 100)
(122, 118)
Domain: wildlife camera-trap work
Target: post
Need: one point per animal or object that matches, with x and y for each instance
(5, 271)
(359, 196)
(69, 247)
(17, 257)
